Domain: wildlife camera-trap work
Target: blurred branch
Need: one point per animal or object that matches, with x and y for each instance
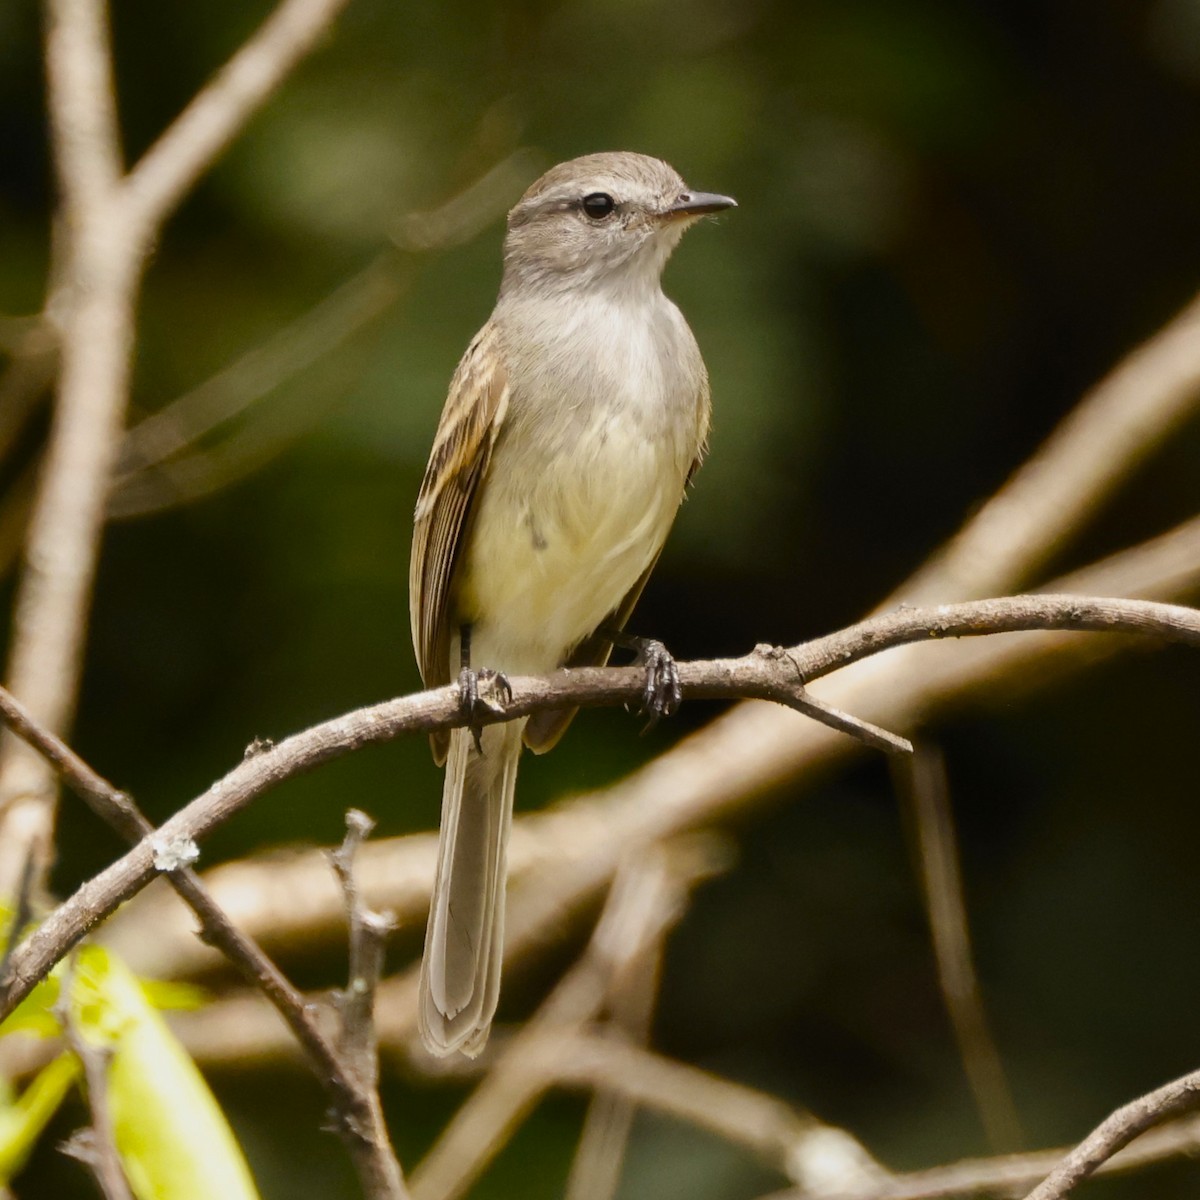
(775, 675)
(146, 482)
(291, 899)
(95, 1146)
(1012, 1174)
(216, 114)
(600, 1155)
(108, 223)
(1116, 425)
(352, 1090)
(821, 1159)
(93, 307)
(151, 478)
(1119, 1130)
(648, 896)
(922, 780)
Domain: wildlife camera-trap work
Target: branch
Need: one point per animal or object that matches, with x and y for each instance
(707, 777)
(1116, 425)
(921, 780)
(357, 1044)
(353, 1095)
(646, 899)
(821, 1159)
(737, 762)
(93, 305)
(109, 223)
(1010, 1174)
(171, 167)
(82, 103)
(1119, 1130)
(763, 675)
(95, 1146)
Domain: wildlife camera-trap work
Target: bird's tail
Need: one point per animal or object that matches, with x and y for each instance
(464, 941)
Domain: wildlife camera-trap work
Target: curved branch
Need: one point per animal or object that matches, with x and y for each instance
(1117, 1131)
(765, 673)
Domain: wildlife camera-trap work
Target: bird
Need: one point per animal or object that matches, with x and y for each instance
(573, 425)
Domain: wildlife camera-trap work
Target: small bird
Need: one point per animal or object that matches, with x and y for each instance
(574, 422)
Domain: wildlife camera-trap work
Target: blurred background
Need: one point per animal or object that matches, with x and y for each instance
(955, 215)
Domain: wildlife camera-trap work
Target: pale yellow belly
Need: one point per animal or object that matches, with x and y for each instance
(554, 553)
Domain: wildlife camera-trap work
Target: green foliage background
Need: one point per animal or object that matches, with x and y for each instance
(954, 217)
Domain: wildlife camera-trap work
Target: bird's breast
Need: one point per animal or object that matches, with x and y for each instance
(584, 483)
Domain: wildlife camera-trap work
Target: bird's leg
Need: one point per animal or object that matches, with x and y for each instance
(661, 694)
(472, 701)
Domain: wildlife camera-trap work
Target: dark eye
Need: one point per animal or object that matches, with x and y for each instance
(599, 205)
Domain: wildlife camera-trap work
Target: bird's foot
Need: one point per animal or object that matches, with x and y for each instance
(661, 692)
(482, 693)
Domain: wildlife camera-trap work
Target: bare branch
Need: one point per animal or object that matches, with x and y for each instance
(647, 898)
(821, 1159)
(600, 1156)
(108, 223)
(357, 1044)
(94, 310)
(1119, 1130)
(922, 779)
(708, 775)
(355, 1101)
(1008, 1175)
(1104, 439)
(171, 167)
(96, 1146)
(763, 676)
(82, 101)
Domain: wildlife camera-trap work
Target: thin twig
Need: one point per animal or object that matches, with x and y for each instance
(357, 1043)
(360, 1126)
(922, 779)
(96, 1147)
(759, 675)
(368, 936)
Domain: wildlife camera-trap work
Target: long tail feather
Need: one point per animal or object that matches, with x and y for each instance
(464, 941)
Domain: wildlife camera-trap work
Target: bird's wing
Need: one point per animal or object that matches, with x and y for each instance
(461, 451)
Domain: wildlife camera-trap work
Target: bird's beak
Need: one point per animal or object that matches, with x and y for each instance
(697, 204)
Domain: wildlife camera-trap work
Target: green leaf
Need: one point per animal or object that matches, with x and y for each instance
(22, 1120)
(171, 1135)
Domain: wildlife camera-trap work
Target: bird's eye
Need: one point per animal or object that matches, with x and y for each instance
(599, 205)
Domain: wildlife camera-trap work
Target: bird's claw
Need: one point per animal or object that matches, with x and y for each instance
(661, 693)
(483, 692)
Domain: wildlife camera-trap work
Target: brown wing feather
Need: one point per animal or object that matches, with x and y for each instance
(458, 462)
